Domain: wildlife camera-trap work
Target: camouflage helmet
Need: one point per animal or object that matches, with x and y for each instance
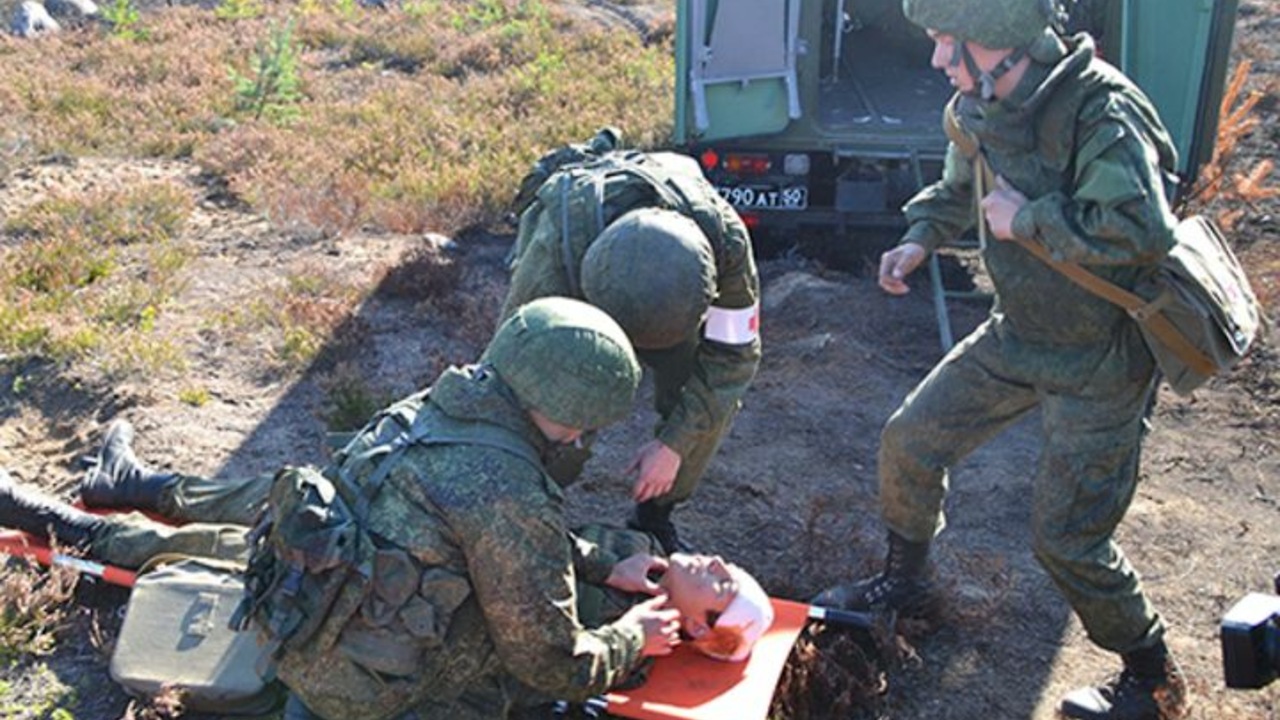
(652, 270)
(567, 360)
(993, 24)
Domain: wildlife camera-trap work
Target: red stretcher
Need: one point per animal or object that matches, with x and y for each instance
(16, 542)
(687, 685)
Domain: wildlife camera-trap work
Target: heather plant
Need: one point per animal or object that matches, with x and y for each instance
(421, 117)
(33, 609)
(88, 276)
(238, 9)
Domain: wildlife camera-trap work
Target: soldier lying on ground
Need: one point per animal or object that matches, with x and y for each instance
(521, 611)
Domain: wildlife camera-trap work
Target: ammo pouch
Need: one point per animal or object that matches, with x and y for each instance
(304, 548)
(176, 634)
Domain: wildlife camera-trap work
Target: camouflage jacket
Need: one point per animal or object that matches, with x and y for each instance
(721, 373)
(1088, 150)
(473, 577)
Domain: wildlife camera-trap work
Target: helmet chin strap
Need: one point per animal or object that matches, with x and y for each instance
(986, 80)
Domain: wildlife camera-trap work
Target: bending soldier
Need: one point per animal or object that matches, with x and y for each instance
(646, 238)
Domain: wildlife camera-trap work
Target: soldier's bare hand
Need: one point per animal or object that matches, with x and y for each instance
(655, 466)
(632, 574)
(897, 264)
(661, 625)
(999, 207)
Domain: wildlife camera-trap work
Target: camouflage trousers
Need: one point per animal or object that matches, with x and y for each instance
(129, 540)
(215, 516)
(1083, 483)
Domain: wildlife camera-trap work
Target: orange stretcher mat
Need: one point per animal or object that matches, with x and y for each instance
(687, 685)
(16, 542)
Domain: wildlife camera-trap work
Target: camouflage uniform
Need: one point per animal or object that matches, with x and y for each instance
(488, 528)
(213, 515)
(699, 383)
(1087, 149)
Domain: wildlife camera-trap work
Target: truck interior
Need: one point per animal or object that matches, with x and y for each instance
(874, 71)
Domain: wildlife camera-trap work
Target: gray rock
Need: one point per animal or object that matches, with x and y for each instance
(780, 290)
(31, 20)
(72, 9)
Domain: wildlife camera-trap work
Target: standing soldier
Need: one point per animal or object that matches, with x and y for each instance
(646, 238)
(1083, 167)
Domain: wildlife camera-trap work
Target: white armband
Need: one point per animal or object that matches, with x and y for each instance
(733, 326)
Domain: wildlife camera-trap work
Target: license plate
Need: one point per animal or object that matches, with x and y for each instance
(748, 197)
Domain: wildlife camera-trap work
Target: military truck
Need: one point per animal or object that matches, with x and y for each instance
(813, 115)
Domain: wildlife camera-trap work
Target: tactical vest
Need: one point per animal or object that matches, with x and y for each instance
(350, 618)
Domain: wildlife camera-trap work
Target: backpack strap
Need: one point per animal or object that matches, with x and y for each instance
(425, 430)
(571, 268)
(1145, 313)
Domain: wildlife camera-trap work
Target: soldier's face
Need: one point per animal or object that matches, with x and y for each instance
(554, 431)
(946, 57)
(701, 588)
(946, 52)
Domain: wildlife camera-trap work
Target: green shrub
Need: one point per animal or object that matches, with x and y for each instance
(271, 90)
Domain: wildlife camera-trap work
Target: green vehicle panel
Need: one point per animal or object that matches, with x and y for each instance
(827, 113)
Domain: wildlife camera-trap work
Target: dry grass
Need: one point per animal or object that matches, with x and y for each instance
(92, 267)
(33, 608)
(421, 117)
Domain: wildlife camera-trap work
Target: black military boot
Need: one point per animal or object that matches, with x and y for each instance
(1151, 687)
(905, 585)
(655, 519)
(115, 479)
(43, 516)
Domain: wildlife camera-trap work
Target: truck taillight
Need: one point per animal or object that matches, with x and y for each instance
(742, 164)
(750, 219)
(709, 159)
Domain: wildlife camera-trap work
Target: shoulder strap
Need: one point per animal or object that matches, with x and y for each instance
(422, 431)
(1146, 313)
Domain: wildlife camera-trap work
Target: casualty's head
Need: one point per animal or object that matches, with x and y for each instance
(569, 364)
(653, 271)
(1003, 31)
(723, 610)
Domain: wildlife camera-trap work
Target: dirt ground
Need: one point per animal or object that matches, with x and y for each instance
(792, 494)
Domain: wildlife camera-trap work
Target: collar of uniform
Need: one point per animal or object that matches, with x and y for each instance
(474, 393)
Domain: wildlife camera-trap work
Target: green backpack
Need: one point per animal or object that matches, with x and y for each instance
(585, 189)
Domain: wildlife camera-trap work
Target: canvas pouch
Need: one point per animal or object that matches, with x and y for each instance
(1201, 290)
(177, 634)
